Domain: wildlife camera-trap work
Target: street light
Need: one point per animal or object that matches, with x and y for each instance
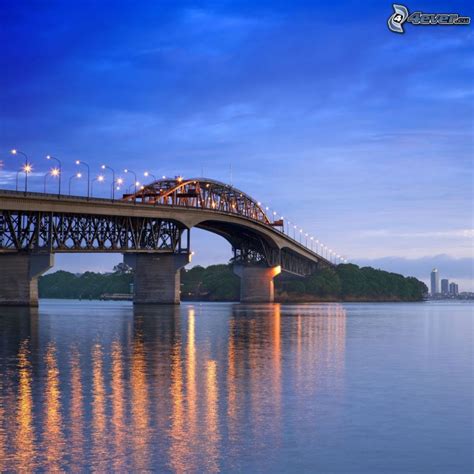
(54, 172)
(146, 174)
(100, 179)
(79, 162)
(119, 183)
(60, 170)
(135, 181)
(77, 175)
(26, 167)
(105, 167)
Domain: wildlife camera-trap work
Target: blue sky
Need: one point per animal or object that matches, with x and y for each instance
(362, 136)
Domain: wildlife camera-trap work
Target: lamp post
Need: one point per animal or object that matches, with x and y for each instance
(105, 167)
(100, 179)
(54, 172)
(135, 181)
(60, 170)
(146, 174)
(79, 162)
(134, 177)
(119, 183)
(26, 167)
(77, 175)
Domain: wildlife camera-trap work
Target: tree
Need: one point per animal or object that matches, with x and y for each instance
(122, 269)
(325, 282)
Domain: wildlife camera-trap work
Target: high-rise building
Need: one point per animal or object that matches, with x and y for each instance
(445, 286)
(453, 289)
(434, 281)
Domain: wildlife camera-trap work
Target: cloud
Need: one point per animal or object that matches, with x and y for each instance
(449, 234)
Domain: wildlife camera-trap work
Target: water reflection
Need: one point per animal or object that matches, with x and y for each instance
(183, 389)
(76, 412)
(99, 419)
(118, 405)
(53, 438)
(25, 436)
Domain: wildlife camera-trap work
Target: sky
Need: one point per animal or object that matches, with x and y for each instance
(362, 136)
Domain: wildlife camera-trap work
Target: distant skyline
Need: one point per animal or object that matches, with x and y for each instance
(361, 136)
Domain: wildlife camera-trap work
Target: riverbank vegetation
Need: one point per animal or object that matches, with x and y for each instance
(346, 282)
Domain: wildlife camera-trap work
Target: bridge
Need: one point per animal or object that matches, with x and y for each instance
(152, 229)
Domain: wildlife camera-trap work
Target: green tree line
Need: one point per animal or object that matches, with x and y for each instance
(88, 285)
(218, 283)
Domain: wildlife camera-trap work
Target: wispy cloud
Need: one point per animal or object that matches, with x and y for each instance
(447, 234)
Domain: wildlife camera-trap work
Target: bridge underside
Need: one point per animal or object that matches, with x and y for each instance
(157, 248)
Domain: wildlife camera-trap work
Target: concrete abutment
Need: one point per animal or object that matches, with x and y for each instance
(19, 274)
(256, 283)
(157, 277)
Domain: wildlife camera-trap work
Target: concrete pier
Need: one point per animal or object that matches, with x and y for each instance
(19, 274)
(157, 277)
(256, 283)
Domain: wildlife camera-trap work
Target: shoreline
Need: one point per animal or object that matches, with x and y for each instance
(277, 300)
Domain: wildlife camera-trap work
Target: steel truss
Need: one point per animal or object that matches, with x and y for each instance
(258, 252)
(70, 232)
(202, 194)
(293, 263)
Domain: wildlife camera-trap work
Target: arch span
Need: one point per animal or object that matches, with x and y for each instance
(201, 193)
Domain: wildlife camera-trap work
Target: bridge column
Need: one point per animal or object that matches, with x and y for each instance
(256, 283)
(157, 277)
(19, 274)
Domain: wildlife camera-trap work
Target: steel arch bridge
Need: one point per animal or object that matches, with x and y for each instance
(157, 218)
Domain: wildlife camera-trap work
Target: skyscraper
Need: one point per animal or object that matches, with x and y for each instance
(434, 281)
(445, 286)
(453, 289)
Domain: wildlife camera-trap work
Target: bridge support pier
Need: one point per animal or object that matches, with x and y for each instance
(19, 274)
(157, 277)
(256, 283)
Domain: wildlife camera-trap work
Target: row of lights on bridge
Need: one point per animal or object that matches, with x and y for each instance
(310, 240)
(56, 172)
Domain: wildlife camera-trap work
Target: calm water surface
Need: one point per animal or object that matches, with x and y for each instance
(223, 387)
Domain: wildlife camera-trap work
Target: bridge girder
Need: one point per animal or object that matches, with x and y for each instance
(35, 231)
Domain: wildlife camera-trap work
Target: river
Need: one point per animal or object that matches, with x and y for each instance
(221, 387)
